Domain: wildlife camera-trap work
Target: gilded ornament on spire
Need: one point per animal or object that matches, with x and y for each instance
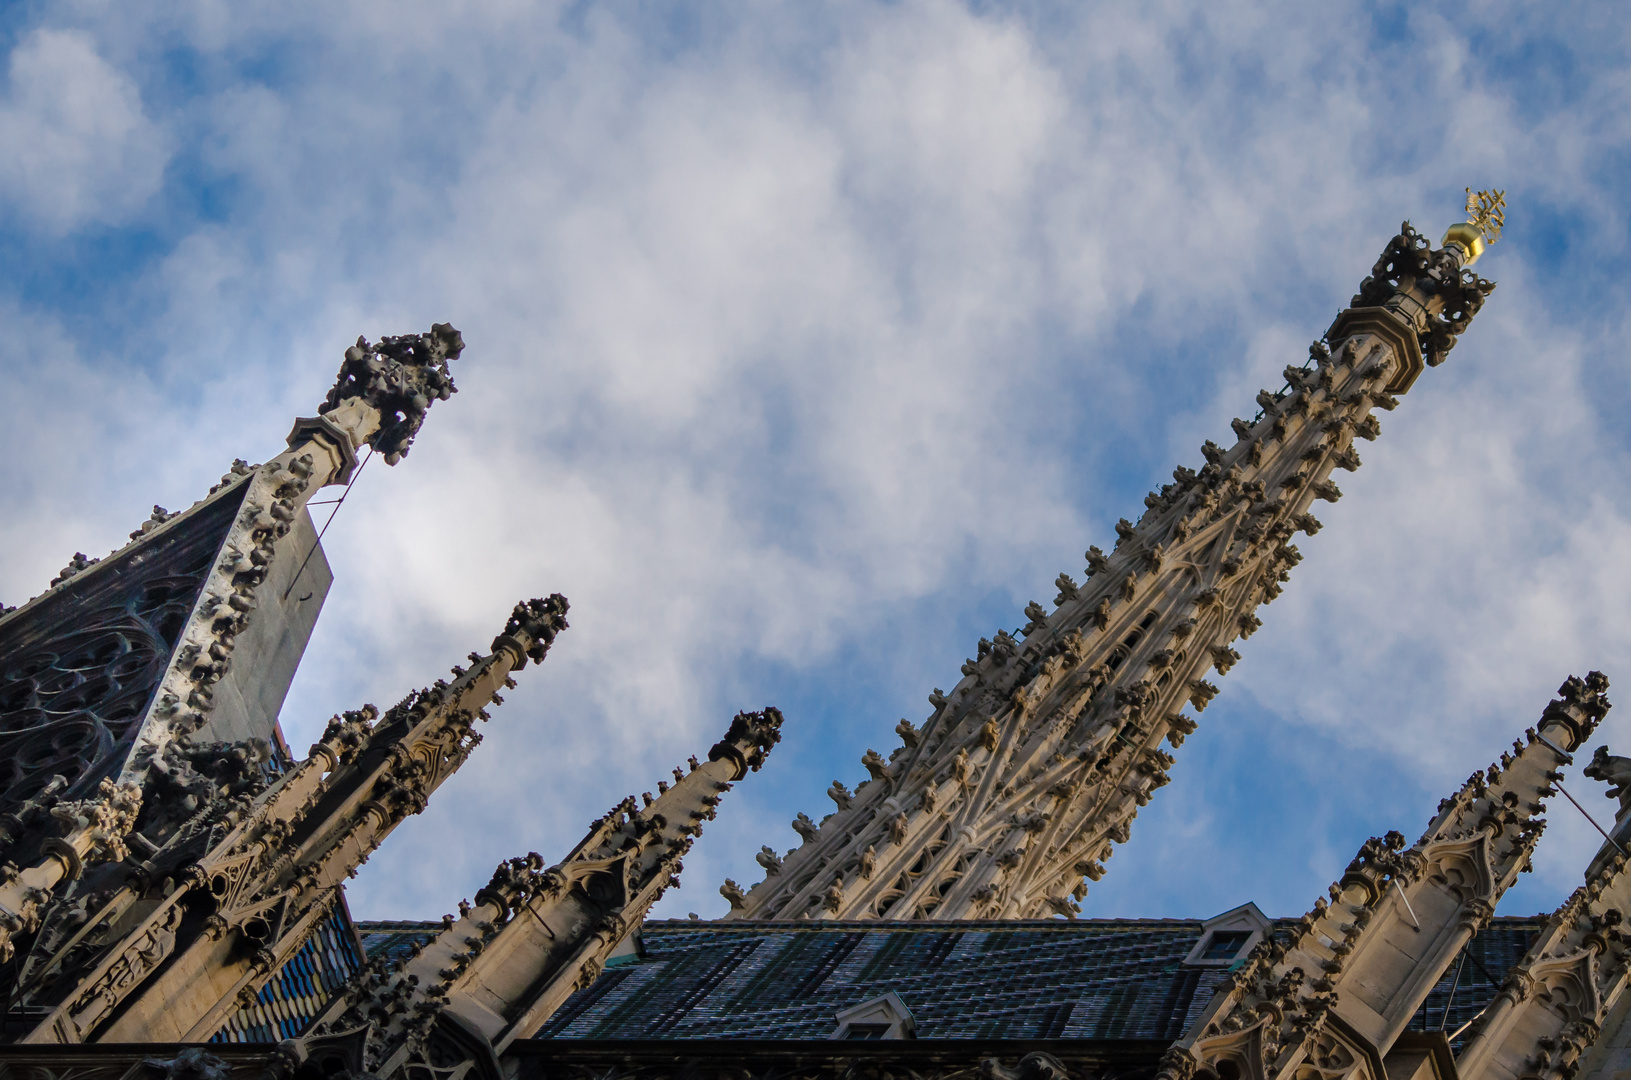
(1486, 215)
(1486, 211)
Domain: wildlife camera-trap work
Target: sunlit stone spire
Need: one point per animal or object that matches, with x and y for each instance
(1007, 800)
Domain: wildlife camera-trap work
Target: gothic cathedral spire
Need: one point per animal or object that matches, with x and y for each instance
(1024, 776)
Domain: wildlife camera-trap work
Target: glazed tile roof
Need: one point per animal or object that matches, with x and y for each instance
(1043, 979)
(301, 987)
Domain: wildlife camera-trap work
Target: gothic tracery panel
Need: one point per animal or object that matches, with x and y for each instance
(79, 669)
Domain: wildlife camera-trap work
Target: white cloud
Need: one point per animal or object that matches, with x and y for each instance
(79, 148)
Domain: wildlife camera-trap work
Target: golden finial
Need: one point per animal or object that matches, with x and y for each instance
(1486, 211)
(1486, 214)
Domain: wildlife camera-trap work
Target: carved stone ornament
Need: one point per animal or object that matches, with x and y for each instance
(192, 1063)
(1430, 288)
(400, 377)
(93, 831)
(1614, 771)
(1367, 955)
(1176, 1064)
(539, 621)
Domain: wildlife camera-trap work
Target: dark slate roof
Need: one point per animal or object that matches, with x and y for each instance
(394, 939)
(1039, 979)
(825, 1059)
(1476, 975)
(1045, 979)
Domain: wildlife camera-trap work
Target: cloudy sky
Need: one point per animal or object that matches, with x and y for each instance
(806, 343)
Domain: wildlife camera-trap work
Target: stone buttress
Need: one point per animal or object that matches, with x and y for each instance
(1562, 1008)
(220, 904)
(1333, 1000)
(533, 936)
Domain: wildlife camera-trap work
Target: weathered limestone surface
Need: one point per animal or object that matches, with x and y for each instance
(185, 883)
(246, 702)
(1562, 1008)
(93, 831)
(184, 958)
(534, 936)
(1028, 772)
(1333, 1000)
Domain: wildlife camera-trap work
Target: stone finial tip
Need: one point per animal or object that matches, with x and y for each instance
(750, 738)
(400, 377)
(540, 621)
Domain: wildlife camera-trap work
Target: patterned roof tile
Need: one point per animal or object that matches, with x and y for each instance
(1042, 979)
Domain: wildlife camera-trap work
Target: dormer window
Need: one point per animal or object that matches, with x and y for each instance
(1225, 945)
(1227, 938)
(884, 1017)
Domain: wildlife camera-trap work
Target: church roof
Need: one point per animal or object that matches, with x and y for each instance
(1117, 979)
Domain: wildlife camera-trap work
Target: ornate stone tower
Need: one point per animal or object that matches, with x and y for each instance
(1025, 775)
(138, 700)
(122, 655)
(177, 864)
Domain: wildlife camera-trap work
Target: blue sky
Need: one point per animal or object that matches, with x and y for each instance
(807, 343)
